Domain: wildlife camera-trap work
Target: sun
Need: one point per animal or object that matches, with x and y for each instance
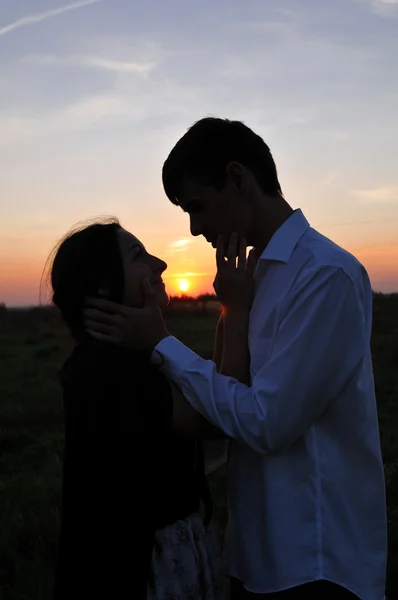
(183, 284)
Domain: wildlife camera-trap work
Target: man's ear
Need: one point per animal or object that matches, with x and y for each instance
(238, 176)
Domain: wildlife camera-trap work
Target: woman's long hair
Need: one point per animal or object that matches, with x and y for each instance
(86, 262)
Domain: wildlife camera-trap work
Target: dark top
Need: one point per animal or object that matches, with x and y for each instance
(124, 474)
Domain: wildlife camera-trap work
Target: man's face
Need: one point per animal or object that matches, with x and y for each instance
(213, 213)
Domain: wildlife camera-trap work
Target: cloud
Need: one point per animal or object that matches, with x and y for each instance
(188, 274)
(15, 129)
(38, 17)
(237, 68)
(384, 194)
(383, 8)
(93, 62)
(79, 116)
(131, 100)
(330, 177)
(178, 245)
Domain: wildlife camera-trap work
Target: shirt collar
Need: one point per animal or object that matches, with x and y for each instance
(285, 239)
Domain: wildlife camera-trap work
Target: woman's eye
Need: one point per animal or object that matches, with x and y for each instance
(137, 253)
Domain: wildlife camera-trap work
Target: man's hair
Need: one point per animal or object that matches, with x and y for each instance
(204, 151)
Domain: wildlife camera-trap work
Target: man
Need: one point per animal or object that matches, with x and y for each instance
(306, 485)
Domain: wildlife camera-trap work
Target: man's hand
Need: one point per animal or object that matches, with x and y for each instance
(136, 328)
(234, 283)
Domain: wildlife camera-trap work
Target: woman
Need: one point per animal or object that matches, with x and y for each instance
(133, 523)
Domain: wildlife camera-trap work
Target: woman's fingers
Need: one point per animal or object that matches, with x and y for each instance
(232, 251)
(220, 259)
(242, 255)
(236, 249)
(251, 262)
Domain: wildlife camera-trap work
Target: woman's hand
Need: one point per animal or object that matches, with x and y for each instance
(234, 282)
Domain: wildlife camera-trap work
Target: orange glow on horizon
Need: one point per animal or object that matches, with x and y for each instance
(21, 270)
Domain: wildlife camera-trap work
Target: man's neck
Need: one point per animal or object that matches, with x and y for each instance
(268, 222)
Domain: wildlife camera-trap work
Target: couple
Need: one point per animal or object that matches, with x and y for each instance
(291, 387)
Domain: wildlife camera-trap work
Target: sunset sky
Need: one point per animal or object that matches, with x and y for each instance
(93, 95)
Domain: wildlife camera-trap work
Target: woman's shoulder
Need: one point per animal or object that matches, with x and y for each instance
(125, 380)
(105, 360)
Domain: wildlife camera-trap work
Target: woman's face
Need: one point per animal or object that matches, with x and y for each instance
(137, 266)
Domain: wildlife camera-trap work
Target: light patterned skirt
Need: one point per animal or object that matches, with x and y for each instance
(186, 563)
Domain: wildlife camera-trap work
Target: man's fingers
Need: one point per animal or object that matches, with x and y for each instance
(102, 317)
(220, 260)
(102, 337)
(242, 255)
(105, 305)
(99, 327)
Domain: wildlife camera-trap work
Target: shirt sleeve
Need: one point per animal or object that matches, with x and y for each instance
(318, 349)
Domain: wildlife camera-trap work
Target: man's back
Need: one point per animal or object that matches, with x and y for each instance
(310, 505)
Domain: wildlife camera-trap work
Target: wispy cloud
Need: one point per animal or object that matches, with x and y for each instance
(38, 17)
(385, 3)
(178, 245)
(384, 194)
(130, 100)
(384, 8)
(93, 62)
(80, 116)
(236, 68)
(189, 274)
(330, 177)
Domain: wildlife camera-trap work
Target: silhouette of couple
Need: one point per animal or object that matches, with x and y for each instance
(290, 387)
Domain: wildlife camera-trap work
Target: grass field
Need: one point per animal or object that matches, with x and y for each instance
(33, 345)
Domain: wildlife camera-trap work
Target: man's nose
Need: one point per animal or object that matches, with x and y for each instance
(195, 226)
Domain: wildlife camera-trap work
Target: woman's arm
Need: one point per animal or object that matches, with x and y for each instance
(188, 421)
(218, 342)
(235, 356)
(234, 285)
(231, 356)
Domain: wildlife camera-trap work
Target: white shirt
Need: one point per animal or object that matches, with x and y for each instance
(305, 474)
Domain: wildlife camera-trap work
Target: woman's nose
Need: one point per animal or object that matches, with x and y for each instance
(159, 264)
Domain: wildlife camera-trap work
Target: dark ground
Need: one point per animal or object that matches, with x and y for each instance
(33, 345)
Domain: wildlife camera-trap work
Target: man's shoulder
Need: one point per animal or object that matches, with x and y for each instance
(321, 253)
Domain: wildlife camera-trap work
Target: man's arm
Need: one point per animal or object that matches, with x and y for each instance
(318, 349)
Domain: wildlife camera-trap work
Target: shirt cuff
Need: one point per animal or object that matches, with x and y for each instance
(170, 350)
